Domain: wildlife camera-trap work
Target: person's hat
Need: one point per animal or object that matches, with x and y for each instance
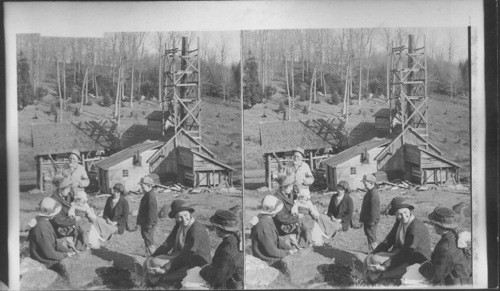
(397, 203)
(76, 153)
(81, 195)
(177, 206)
(147, 180)
(61, 181)
(271, 205)
(287, 180)
(225, 220)
(444, 217)
(369, 178)
(300, 150)
(344, 185)
(49, 207)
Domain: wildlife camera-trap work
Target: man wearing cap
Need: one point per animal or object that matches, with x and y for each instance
(226, 269)
(407, 243)
(450, 263)
(267, 245)
(186, 247)
(76, 172)
(370, 210)
(300, 171)
(147, 216)
(43, 244)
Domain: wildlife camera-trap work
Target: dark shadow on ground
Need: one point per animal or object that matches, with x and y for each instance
(114, 278)
(119, 260)
(26, 188)
(254, 185)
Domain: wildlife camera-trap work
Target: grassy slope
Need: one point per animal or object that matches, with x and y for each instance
(221, 130)
(448, 126)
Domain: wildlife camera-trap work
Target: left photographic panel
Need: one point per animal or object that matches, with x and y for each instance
(130, 160)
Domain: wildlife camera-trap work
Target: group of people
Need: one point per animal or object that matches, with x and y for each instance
(289, 221)
(66, 225)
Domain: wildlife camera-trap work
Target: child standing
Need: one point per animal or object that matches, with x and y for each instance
(80, 208)
(370, 211)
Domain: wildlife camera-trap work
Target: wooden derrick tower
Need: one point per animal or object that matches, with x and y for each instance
(407, 82)
(182, 100)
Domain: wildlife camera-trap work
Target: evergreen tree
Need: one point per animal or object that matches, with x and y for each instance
(252, 91)
(24, 86)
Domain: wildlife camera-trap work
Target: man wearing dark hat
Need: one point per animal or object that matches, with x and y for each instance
(226, 270)
(450, 263)
(187, 246)
(407, 243)
(147, 216)
(370, 210)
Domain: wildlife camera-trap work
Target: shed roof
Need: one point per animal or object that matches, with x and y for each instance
(284, 136)
(382, 113)
(127, 153)
(155, 115)
(56, 138)
(355, 150)
(212, 160)
(440, 158)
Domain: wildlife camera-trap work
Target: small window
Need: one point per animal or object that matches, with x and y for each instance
(353, 170)
(125, 173)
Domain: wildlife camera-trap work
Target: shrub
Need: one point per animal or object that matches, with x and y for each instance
(270, 91)
(89, 103)
(317, 101)
(77, 112)
(41, 92)
(335, 100)
(106, 100)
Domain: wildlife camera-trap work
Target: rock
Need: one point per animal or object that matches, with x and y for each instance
(308, 264)
(30, 265)
(35, 191)
(262, 189)
(302, 267)
(80, 270)
(258, 274)
(38, 279)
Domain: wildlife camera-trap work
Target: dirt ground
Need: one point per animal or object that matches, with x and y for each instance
(131, 243)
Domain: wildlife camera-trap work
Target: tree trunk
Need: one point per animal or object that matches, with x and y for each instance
(64, 85)
(293, 83)
(286, 78)
(360, 79)
(132, 84)
(160, 80)
(60, 93)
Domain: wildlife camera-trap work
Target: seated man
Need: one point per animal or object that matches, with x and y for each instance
(407, 243)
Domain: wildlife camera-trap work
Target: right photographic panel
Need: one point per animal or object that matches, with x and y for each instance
(357, 157)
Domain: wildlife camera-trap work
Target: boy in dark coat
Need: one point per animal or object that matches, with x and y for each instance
(226, 270)
(370, 211)
(449, 264)
(147, 216)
